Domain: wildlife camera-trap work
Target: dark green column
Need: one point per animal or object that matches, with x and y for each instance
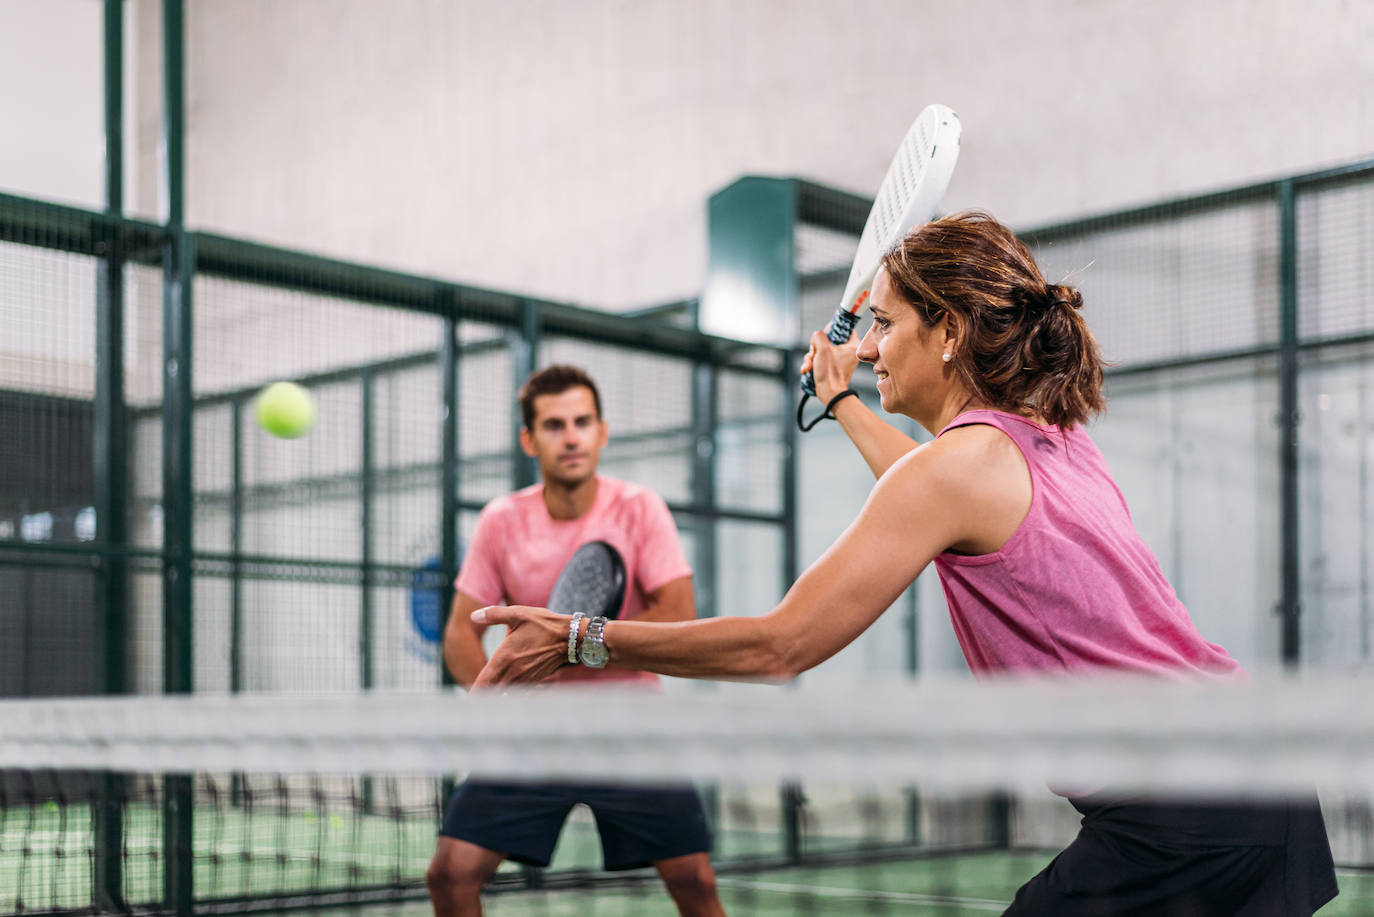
(524, 358)
(111, 471)
(448, 503)
(367, 496)
(178, 527)
(705, 415)
(236, 510)
(449, 456)
(705, 394)
(366, 622)
(178, 267)
(1290, 596)
(178, 544)
(793, 795)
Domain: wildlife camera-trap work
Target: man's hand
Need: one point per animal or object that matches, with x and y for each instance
(833, 364)
(536, 644)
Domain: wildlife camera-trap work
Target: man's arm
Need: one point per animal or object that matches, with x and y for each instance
(463, 652)
(675, 600)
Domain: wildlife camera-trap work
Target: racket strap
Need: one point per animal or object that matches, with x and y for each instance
(829, 412)
(839, 331)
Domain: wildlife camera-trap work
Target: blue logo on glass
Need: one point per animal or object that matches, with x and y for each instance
(425, 596)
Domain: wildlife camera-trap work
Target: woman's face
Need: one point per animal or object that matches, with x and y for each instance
(905, 353)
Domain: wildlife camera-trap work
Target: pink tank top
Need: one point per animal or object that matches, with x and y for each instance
(1074, 588)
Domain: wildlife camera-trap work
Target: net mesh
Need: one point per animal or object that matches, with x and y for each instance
(926, 797)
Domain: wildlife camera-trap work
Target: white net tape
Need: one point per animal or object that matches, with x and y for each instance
(1271, 735)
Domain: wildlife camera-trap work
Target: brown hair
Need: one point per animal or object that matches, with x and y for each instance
(1022, 343)
(554, 380)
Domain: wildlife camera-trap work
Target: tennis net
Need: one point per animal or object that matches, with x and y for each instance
(822, 796)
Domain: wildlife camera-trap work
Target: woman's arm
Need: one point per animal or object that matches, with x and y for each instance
(880, 443)
(914, 512)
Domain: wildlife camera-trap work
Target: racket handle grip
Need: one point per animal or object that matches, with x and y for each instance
(841, 327)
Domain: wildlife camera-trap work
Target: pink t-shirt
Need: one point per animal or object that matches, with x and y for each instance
(518, 550)
(1074, 588)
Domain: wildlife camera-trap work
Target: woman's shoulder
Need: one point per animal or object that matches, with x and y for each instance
(1009, 422)
(971, 445)
(970, 488)
(969, 463)
(958, 455)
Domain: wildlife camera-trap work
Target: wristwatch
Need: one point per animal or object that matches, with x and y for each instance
(593, 651)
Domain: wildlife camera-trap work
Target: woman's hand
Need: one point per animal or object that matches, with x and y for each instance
(833, 364)
(535, 646)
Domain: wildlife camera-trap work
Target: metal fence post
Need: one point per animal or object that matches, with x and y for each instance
(178, 266)
(111, 471)
(1290, 596)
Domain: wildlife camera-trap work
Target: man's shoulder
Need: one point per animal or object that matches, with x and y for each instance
(512, 503)
(627, 493)
(636, 510)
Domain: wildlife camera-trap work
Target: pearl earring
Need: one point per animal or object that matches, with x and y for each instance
(947, 357)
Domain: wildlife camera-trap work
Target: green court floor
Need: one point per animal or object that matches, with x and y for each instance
(965, 886)
(46, 853)
(276, 853)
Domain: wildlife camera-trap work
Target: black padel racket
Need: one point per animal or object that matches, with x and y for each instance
(592, 582)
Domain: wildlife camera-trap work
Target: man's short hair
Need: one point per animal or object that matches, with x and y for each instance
(554, 380)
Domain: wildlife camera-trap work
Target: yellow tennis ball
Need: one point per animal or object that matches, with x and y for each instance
(285, 409)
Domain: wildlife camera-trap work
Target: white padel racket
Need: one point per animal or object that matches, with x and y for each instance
(910, 194)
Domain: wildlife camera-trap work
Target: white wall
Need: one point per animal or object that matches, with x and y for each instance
(52, 140)
(568, 148)
(51, 128)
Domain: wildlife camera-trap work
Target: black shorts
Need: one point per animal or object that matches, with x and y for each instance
(1159, 859)
(523, 820)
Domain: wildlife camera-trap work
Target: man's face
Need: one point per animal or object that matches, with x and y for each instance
(566, 436)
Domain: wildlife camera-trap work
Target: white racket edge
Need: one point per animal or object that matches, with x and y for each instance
(910, 194)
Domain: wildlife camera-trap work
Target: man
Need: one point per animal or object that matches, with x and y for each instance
(521, 544)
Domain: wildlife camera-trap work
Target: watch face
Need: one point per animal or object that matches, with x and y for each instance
(594, 654)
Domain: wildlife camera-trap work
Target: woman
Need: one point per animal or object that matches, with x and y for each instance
(1041, 566)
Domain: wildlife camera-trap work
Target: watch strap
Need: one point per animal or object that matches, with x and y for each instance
(595, 637)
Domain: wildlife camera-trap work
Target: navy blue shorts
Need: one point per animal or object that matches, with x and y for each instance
(523, 820)
(1155, 859)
